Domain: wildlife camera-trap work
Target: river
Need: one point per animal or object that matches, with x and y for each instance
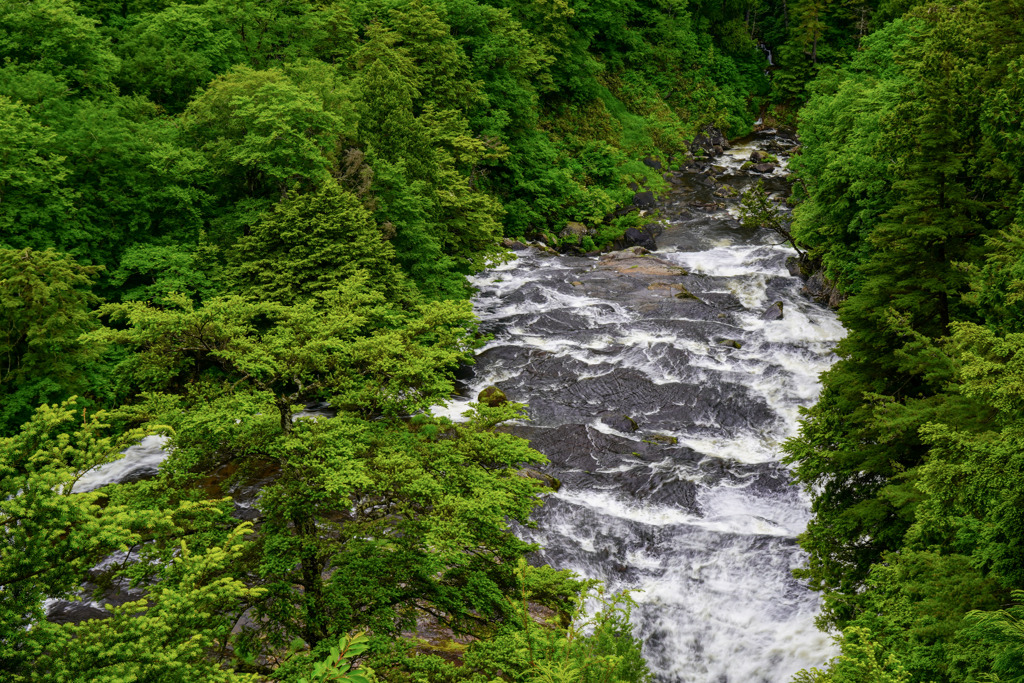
(692, 509)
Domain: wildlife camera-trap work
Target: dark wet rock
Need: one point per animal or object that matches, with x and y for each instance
(621, 423)
(578, 447)
(762, 168)
(658, 487)
(531, 293)
(492, 396)
(634, 237)
(551, 482)
(650, 162)
(65, 612)
(718, 150)
(822, 290)
(514, 245)
(793, 266)
(644, 200)
(758, 155)
(774, 312)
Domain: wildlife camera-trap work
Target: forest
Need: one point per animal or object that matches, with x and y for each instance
(214, 215)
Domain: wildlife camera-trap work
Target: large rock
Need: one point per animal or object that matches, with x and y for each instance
(492, 396)
(622, 423)
(637, 238)
(644, 200)
(762, 168)
(793, 266)
(774, 312)
(821, 289)
(573, 230)
(514, 245)
(634, 262)
(801, 267)
(650, 162)
(758, 155)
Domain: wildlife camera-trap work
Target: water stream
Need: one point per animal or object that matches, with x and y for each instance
(693, 508)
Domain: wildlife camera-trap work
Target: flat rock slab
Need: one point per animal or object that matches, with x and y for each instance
(638, 265)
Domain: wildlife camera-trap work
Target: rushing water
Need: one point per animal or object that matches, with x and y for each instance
(692, 509)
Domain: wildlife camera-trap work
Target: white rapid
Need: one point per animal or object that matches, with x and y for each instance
(693, 509)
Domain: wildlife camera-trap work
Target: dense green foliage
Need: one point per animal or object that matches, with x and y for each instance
(215, 214)
(146, 125)
(911, 180)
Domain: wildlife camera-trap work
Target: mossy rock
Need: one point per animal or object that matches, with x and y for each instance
(663, 439)
(747, 165)
(492, 396)
(732, 343)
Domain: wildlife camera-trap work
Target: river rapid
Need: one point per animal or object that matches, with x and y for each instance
(661, 399)
(692, 509)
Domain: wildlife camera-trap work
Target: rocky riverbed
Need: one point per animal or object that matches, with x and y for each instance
(661, 385)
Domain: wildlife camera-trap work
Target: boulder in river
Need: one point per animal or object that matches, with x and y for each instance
(794, 267)
(774, 312)
(637, 263)
(758, 155)
(514, 245)
(731, 343)
(762, 168)
(492, 396)
(622, 423)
